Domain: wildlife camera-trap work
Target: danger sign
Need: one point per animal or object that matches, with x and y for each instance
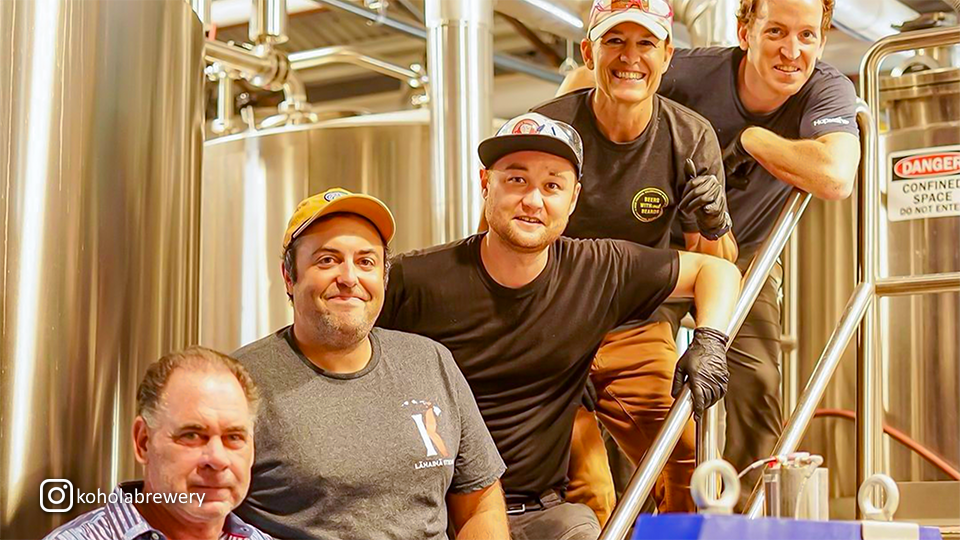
(925, 183)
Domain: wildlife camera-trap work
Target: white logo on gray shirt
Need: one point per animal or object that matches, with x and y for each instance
(835, 120)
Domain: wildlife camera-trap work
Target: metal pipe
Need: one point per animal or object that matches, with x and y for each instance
(869, 408)
(510, 63)
(708, 431)
(868, 441)
(870, 20)
(905, 285)
(870, 67)
(412, 9)
(502, 61)
(708, 446)
(649, 468)
(263, 66)
(459, 46)
(709, 22)
(389, 22)
(223, 124)
(767, 256)
(268, 22)
(294, 92)
(656, 457)
(225, 100)
(202, 9)
(791, 318)
(827, 364)
(534, 39)
(236, 58)
(304, 60)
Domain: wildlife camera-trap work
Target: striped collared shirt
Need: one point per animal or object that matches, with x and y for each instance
(121, 520)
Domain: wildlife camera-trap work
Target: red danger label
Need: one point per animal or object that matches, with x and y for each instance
(940, 164)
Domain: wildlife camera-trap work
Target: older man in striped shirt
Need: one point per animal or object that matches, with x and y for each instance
(194, 437)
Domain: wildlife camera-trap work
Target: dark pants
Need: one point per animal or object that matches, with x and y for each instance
(753, 400)
(557, 520)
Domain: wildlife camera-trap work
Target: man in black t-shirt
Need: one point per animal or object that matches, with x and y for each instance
(635, 180)
(523, 312)
(785, 120)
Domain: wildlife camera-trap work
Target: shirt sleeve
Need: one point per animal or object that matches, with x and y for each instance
(708, 158)
(478, 463)
(647, 277)
(831, 108)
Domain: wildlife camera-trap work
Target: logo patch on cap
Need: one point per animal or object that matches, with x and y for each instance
(330, 197)
(526, 127)
(649, 204)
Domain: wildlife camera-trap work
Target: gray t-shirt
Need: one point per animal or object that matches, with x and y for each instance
(370, 454)
(705, 80)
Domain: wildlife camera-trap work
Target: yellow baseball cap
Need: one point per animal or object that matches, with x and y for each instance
(339, 200)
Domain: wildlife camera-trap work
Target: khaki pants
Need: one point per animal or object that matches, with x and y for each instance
(633, 375)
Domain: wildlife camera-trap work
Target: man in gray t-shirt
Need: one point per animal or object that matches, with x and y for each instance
(363, 433)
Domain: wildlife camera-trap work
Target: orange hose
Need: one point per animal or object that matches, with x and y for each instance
(901, 438)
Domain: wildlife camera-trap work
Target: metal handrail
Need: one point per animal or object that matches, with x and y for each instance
(861, 308)
(858, 306)
(869, 408)
(807, 404)
(656, 457)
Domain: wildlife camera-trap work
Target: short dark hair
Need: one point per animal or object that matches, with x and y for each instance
(194, 358)
(747, 12)
(290, 254)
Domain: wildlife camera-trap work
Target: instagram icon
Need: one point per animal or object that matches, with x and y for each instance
(56, 495)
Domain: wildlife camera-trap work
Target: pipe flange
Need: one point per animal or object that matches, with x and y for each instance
(275, 76)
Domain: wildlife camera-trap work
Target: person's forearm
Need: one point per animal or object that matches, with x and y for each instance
(807, 164)
(488, 524)
(715, 293)
(480, 515)
(724, 247)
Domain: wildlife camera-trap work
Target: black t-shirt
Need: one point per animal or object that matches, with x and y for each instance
(631, 190)
(825, 104)
(526, 352)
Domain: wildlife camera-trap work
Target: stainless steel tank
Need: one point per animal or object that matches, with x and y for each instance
(921, 359)
(921, 362)
(100, 140)
(252, 183)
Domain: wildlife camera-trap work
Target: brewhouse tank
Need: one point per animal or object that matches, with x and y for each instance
(252, 183)
(920, 359)
(100, 140)
(920, 170)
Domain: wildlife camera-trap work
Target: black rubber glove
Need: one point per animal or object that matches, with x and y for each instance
(705, 199)
(737, 164)
(589, 398)
(704, 367)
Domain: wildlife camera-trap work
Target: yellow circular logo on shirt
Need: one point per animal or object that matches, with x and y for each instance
(649, 203)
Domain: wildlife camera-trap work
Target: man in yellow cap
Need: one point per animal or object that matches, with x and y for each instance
(365, 432)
